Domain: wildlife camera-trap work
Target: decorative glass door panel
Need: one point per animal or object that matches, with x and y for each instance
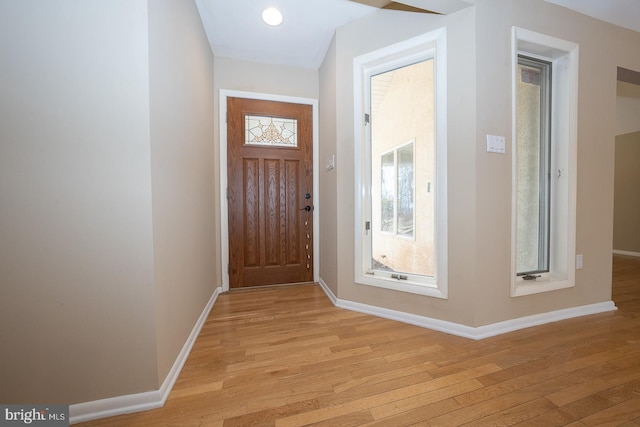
(273, 131)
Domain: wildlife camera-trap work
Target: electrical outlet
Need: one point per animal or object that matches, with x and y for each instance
(578, 261)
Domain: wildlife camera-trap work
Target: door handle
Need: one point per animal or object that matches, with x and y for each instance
(306, 208)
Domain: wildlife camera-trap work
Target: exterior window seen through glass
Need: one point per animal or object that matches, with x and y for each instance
(387, 194)
(403, 170)
(405, 190)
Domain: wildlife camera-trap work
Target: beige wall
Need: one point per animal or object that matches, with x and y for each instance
(627, 108)
(479, 91)
(328, 178)
(182, 173)
(234, 74)
(76, 254)
(626, 232)
(106, 195)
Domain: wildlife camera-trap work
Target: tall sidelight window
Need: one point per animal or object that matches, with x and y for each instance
(543, 229)
(533, 153)
(401, 160)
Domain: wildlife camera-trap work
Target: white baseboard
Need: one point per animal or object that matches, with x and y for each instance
(542, 318)
(476, 333)
(328, 291)
(627, 253)
(119, 405)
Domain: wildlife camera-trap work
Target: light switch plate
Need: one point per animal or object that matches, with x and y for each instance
(496, 144)
(331, 163)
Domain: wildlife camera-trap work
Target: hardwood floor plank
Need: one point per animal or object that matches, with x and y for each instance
(423, 399)
(543, 360)
(616, 415)
(471, 360)
(394, 361)
(380, 377)
(193, 390)
(354, 419)
(329, 404)
(545, 378)
(579, 391)
(516, 415)
(417, 416)
(484, 409)
(268, 416)
(554, 418)
(602, 400)
(401, 388)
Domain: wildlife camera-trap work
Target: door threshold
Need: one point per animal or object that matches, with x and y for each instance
(258, 287)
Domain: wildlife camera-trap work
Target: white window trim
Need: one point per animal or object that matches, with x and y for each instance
(564, 142)
(429, 45)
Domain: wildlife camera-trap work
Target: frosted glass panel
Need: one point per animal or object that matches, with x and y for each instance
(273, 131)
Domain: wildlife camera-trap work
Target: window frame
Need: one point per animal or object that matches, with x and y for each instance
(431, 45)
(396, 181)
(564, 56)
(544, 165)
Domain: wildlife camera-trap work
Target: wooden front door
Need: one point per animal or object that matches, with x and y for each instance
(270, 181)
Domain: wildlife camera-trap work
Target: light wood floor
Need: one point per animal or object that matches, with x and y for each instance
(286, 357)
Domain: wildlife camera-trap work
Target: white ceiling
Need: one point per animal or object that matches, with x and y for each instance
(624, 13)
(235, 29)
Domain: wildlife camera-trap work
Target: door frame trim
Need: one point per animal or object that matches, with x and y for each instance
(222, 165)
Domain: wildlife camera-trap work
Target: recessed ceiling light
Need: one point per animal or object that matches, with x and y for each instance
(272, 16)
